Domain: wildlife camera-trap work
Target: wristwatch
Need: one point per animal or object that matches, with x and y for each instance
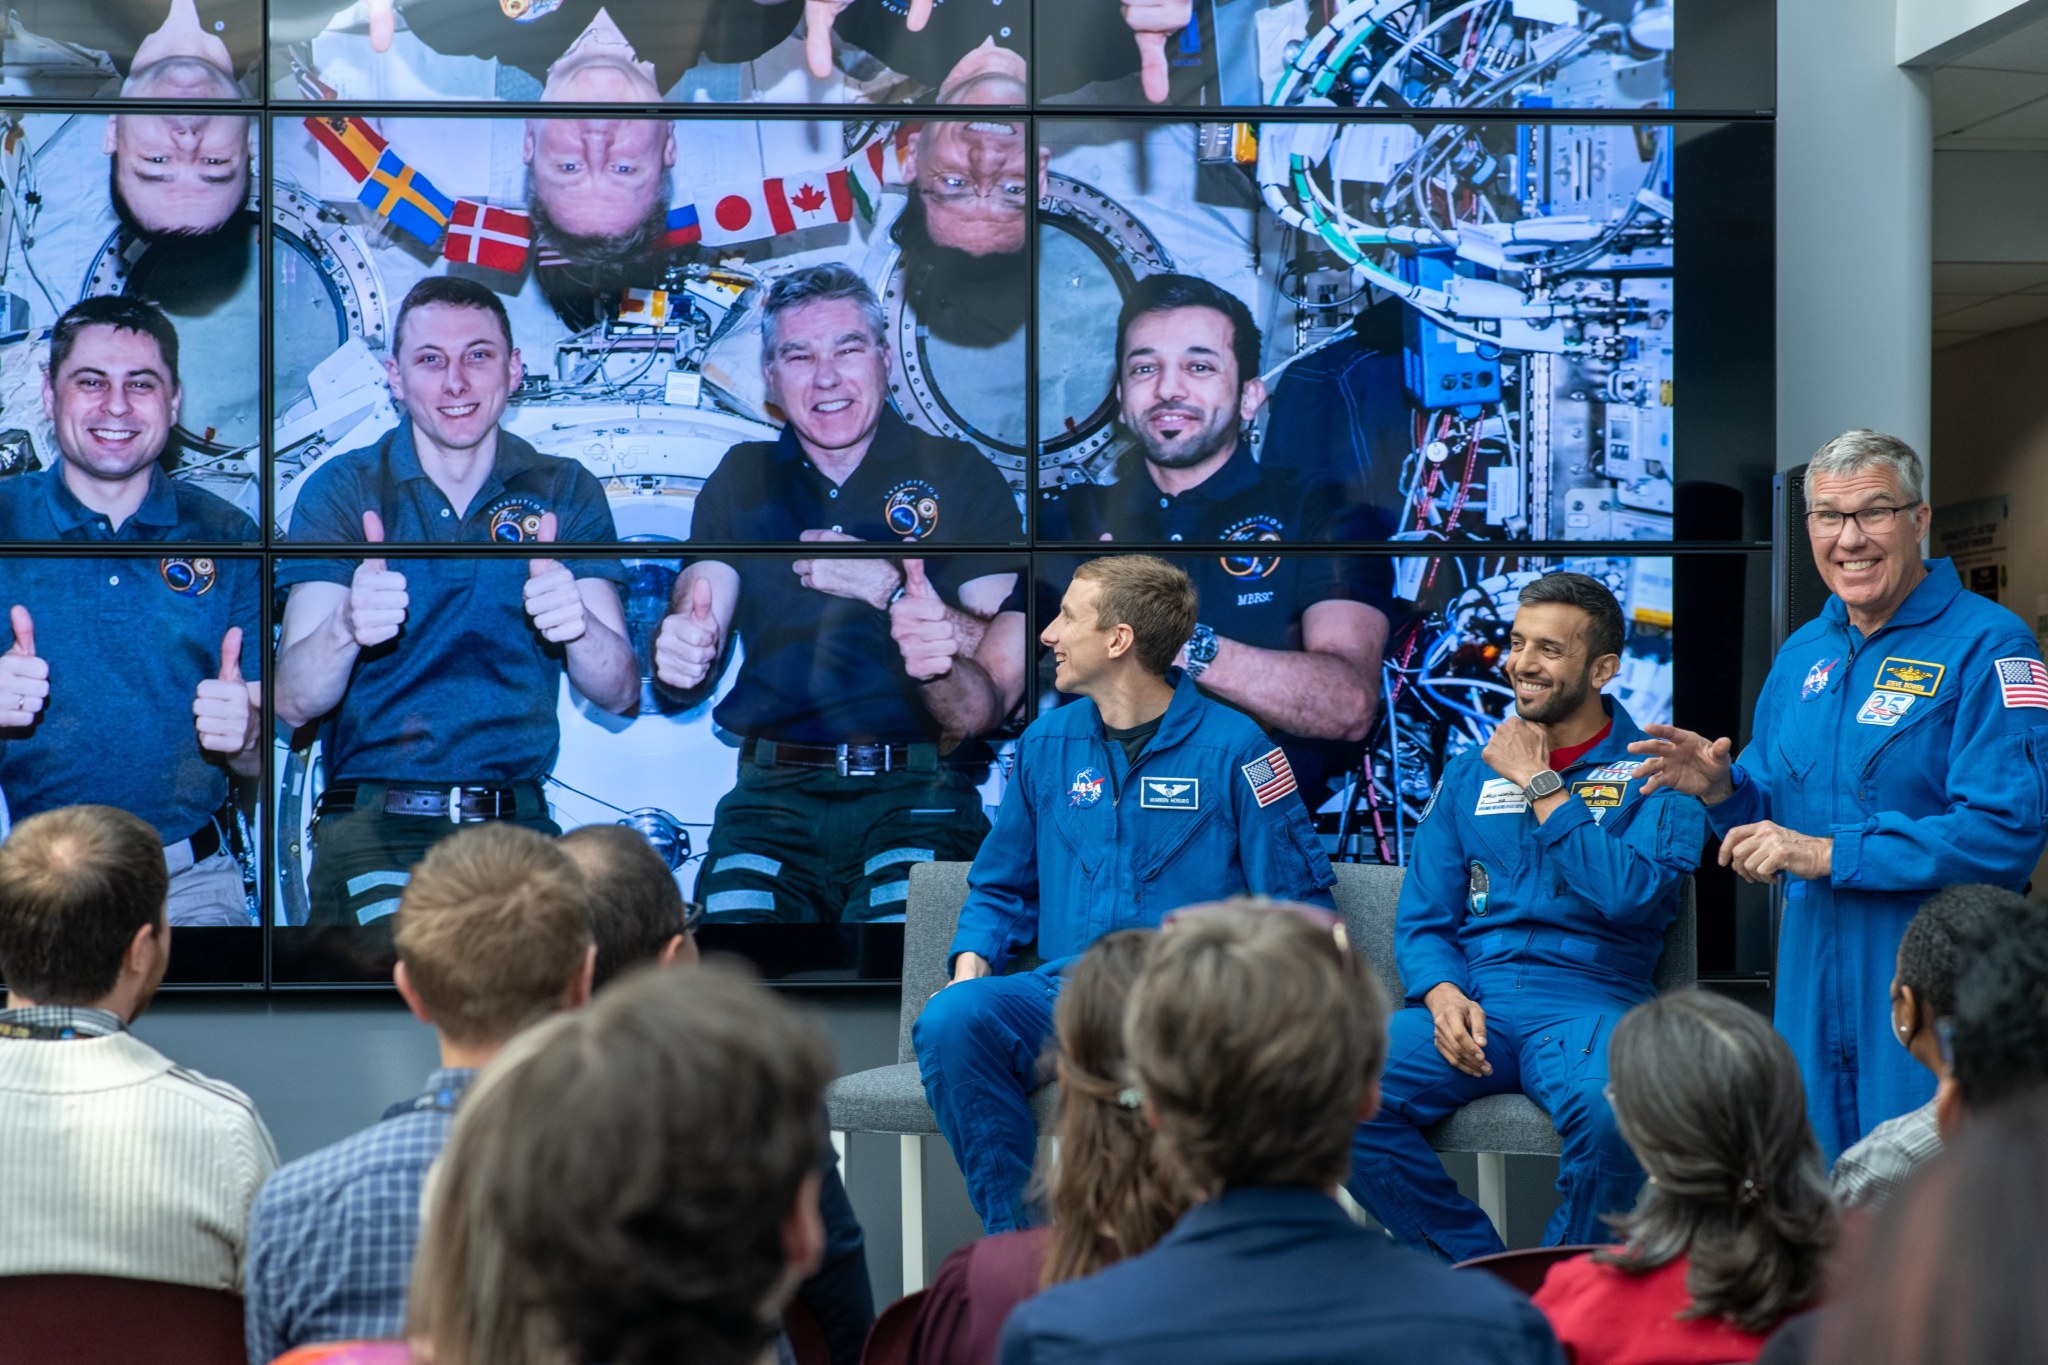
(1545, 783)
(1201, 651)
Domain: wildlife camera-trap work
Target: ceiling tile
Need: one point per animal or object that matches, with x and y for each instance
(2014, 310)
(1988, 277)
(1944, 340)
(1966, 98)
(2024, 49)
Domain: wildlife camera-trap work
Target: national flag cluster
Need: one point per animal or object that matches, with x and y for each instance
(502, 239)
(464, 230)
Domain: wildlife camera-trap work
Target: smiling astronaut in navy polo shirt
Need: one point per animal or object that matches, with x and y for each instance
(1294, 641)
(864, 681)
(146, 649)
(437, 679)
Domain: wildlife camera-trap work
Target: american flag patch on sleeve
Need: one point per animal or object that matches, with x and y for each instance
(2023, 682)
(1270, 777)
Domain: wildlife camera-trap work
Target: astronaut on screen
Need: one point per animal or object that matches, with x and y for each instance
(138, 49)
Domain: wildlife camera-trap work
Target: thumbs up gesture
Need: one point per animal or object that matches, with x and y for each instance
(552, 598)
(221, 706)
(690, 641)
(24, 678)
(922, 626)
(1152, 22)
(377, 601)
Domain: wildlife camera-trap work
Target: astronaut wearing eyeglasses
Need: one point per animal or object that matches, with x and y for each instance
(1900, 746)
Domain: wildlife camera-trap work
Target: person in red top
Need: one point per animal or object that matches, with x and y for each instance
(1110, 1196)
(1730, 1235)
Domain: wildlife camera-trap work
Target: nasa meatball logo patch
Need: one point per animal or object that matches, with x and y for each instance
(515, 521)
(1817, 679)
(1170, 793)
(188, 577)
(1086, 789)
(911, 510)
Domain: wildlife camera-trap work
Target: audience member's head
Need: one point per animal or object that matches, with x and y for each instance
(1109, 1181)
(634, 1183)
(637, 913)
(1708, 1097)
(177, 175)
(82, 910)
(491, 936)
(1999, 1029)
(1951, 1272)
(1256, 1039)
(1937, 944)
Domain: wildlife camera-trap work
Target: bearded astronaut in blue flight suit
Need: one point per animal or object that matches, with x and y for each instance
(1140, 798)
(1540, 882)
(1899, 747)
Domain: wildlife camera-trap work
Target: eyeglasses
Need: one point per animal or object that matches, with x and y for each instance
(1322, 919)
(1872, 521)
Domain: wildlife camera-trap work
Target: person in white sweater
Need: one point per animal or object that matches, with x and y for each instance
(114, 1160)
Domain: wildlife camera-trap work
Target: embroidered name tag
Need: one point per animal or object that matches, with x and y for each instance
(1170, 793)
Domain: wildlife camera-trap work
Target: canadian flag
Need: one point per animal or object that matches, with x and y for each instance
(497, 239)
(780, 204)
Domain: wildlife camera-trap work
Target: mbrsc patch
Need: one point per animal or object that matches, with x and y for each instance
(1170, 793)
(1501, 797)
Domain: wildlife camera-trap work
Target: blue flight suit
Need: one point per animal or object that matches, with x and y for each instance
(1555, 929)
(1922, 751)
(1278, 1275)
(1086, 843)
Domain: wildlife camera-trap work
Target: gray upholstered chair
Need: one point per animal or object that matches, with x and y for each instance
(890, 1099)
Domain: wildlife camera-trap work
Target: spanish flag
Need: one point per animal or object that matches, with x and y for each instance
(352, 142)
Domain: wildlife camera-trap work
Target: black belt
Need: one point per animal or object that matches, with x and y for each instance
(205, 841)
(848, 760)
(459, 804)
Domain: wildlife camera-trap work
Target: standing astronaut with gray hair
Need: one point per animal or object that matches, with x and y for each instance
(1900, 746)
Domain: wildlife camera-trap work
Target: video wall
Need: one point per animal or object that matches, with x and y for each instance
(682, 414)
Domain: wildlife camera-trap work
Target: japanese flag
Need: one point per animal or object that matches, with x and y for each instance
(769, 208)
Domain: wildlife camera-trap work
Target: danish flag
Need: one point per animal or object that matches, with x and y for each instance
(497, 239)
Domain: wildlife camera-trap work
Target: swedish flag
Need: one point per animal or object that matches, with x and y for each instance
(407, 198)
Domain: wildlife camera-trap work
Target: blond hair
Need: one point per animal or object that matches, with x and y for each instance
(1154, 598)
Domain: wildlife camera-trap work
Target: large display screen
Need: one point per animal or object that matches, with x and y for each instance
(415, 412)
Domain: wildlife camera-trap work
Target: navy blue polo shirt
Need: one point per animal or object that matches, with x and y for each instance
(810, 674)
(1252, 595)
(127, 641)
(40, 506)
(467, 691)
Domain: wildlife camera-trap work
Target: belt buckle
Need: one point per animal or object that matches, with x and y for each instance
(455, 804)
(847, 770)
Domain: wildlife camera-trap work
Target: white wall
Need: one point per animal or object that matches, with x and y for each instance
(1855, 262)
(1930, 31)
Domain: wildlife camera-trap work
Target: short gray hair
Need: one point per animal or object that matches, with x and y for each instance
(819, 284)
(1862, 449)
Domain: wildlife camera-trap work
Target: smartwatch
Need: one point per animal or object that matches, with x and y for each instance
(1545, 783)
(1201, 651)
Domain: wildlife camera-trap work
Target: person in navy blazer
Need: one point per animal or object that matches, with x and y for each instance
(1255, 1039)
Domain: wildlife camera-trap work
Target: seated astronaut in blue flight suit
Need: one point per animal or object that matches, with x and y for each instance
(1140, 798)
(1540, 882)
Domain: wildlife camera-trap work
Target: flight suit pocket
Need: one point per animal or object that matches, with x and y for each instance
(1174, 841)
(1082, 849)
